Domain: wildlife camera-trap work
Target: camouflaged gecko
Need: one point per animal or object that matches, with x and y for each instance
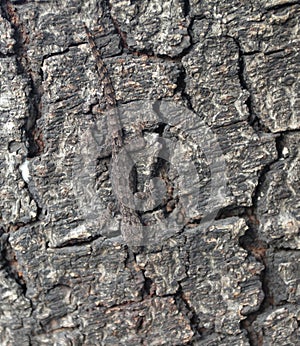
(131, 226)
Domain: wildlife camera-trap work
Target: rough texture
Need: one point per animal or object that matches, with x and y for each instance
(211, 89)
(280, 326)
(278, 200)
(160, 27)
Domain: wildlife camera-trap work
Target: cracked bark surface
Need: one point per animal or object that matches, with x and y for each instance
(63, 280)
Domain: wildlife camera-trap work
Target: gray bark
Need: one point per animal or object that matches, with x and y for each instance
(229, 273)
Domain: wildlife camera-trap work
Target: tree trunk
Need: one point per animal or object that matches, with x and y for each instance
(188, 234)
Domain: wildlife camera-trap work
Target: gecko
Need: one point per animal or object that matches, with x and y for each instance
(131, 225)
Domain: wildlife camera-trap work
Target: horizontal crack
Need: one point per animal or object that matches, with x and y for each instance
(281, 6)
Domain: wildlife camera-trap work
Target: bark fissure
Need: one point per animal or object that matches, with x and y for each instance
(253, 120)
(34, 80)
(8, 258)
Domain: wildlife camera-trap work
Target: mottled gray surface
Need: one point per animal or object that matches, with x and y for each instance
(66, 275)
(279, 198)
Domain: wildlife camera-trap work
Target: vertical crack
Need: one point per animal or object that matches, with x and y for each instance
(250, 241)
(9, 262)
(253, 120)
(280, 145)
(148, 288)
(184, 306)
(33, 139)
(257, 248)
(181, 88)
(186, 8)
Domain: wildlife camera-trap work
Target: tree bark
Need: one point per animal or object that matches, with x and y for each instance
(207, 97)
